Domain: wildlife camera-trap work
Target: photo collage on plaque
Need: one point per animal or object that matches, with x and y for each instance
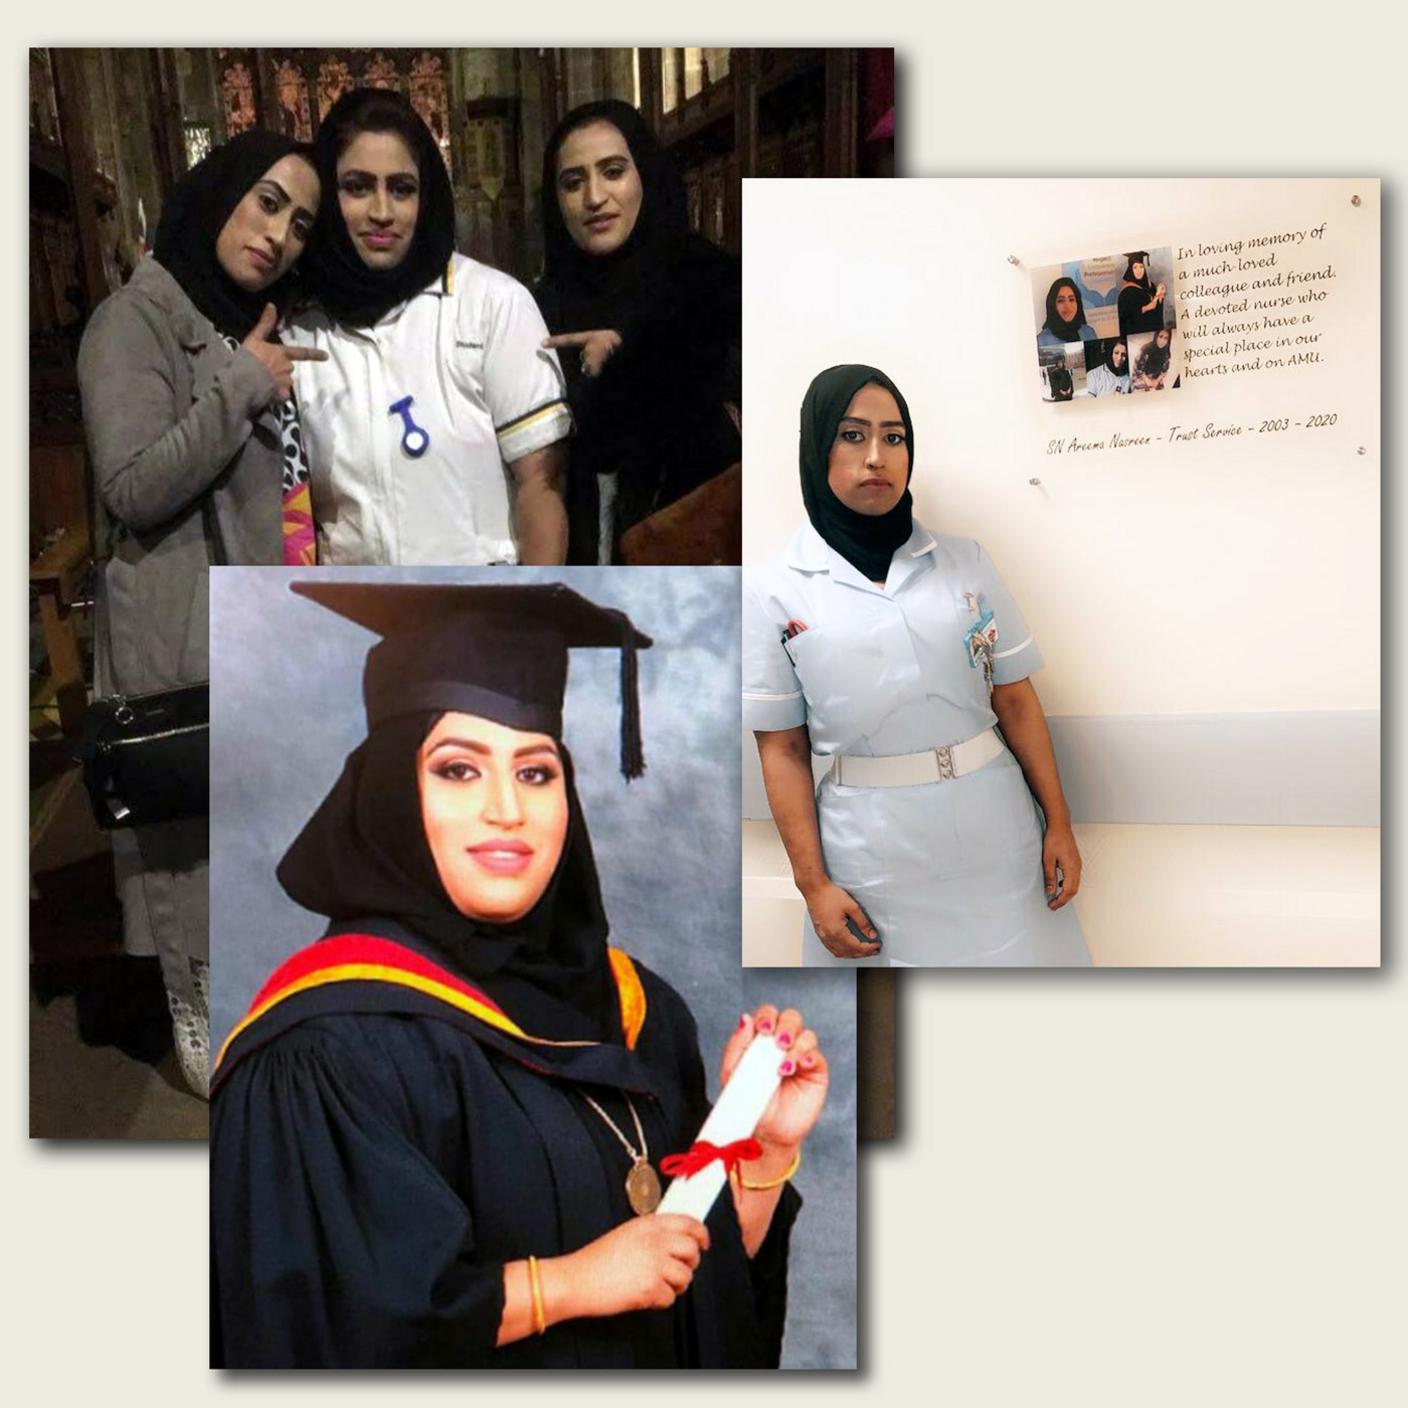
(1106, 326)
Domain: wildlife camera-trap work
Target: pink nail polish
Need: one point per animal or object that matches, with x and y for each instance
(743, 1020)
(787, 1068)
(784, 1039)
(765, 1025)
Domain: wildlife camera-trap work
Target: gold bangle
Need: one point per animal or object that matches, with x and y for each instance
(535, 1287)
(774, 1182)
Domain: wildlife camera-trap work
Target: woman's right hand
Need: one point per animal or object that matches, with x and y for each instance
(597, 347)
(277, 359)
(830, 906)
(643, 1264)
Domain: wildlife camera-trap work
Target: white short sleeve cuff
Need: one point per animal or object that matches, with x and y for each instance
(768, 713)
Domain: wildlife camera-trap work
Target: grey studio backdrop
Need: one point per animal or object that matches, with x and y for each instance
(286, 709)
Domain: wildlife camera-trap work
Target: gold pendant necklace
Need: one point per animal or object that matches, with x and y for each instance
(642, 1182)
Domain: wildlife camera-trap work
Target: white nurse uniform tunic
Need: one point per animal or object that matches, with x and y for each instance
(483, 391)
(949, 871)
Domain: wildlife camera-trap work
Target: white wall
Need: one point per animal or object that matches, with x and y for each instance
(1225, 576)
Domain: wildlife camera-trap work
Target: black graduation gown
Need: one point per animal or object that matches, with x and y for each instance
(373, 1171)
(1131, 311)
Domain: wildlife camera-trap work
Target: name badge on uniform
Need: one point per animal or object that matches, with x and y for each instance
(980, 642)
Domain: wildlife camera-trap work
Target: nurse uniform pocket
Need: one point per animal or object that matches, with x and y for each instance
(855, 827)
(835, 670)
(998, 830)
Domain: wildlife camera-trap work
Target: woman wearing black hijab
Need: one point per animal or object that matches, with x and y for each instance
(1065, 316)
(194, 443)
(435, 1137)
(1110, 373)
(1151, 364)
(434, 433)
(1141, 302)
(648, 317)
(895, 652)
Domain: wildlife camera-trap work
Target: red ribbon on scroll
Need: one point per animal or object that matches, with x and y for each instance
(701, 1154)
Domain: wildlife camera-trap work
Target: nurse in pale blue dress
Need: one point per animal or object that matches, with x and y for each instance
(894, 652)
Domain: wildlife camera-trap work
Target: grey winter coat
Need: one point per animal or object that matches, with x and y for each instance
(187, 464)
(184, 439)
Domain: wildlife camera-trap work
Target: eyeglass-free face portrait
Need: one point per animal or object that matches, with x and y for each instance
(868, 464)
(378, 191)
(598, 188)
(267, 230)
(494, 804)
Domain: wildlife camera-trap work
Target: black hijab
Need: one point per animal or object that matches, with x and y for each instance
(1123, 368)
(866, 541)
(364, 856)
(349, 291)
(195, 213)
(613, 290)
(1154, 360)
(1146, 283)
(1055, 324)
(655, 417)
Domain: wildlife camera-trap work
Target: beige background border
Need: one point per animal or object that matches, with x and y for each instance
(1110, 1189)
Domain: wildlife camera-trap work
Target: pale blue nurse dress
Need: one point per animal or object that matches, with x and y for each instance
(949, 872)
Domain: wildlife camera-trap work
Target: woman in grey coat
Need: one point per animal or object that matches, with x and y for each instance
(197, 459)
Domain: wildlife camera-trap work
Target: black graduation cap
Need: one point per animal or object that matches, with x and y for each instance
(500, 652)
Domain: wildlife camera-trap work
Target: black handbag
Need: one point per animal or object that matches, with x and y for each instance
(146, 757)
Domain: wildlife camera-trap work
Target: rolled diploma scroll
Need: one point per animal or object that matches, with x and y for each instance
(741, 1104)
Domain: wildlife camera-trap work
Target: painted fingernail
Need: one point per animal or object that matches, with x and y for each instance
(809, 1060)
(765, 1025)
(787, 1068)
(743, 1020)
(784, 1038)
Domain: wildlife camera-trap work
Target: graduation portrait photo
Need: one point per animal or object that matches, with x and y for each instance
(490, 1086)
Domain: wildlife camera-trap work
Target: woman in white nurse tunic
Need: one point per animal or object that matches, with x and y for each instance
(894, 652)
(433, 427)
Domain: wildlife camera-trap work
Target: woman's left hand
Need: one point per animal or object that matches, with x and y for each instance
(597, 347)
(1059, 851)
(794, 1109)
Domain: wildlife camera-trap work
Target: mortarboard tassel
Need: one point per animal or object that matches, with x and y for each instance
(632, 751)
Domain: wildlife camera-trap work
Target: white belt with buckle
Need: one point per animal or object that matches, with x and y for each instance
(911, 769)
